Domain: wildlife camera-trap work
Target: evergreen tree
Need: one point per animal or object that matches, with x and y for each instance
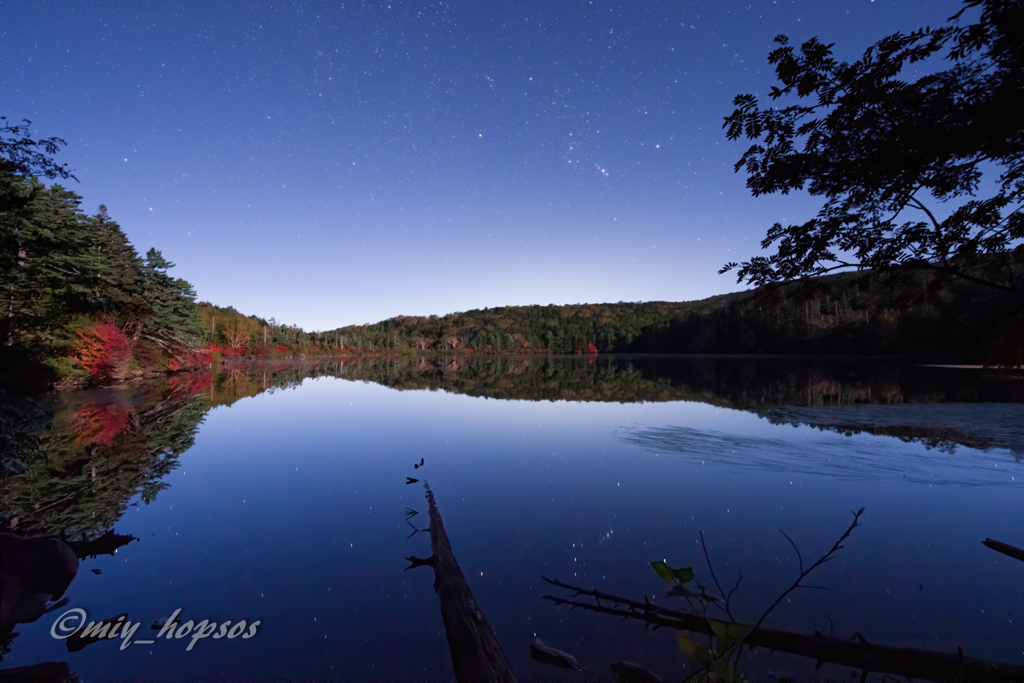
(122, 281)
(172, 301)
(52, 269)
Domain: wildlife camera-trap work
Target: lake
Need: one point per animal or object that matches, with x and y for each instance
(292, 494)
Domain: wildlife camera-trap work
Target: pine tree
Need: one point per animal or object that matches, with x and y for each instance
(123, 283)
(172, 300)
(52, 269)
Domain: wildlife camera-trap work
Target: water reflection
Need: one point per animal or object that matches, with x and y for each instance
(844, 396)
(74, 465)
(828, 393)
(70, 466)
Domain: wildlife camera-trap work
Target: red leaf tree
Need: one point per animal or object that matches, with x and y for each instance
(103, 350)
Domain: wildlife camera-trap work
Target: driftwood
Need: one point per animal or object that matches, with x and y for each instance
(77, 641)
(476, 654)
(858, 654)
(107, 544)
(1005, 549)
(172, 346)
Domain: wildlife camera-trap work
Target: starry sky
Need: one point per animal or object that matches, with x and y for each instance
(344, 162)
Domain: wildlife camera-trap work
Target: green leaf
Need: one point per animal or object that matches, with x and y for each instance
(691, 648)
(683, 575)
(737, 631)
(681, 592)
(663, 570)
(728, 631)
(719, 628)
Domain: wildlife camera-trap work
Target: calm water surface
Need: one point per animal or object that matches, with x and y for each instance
(288, 505)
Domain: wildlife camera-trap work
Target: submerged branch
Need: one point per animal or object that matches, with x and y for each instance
(859, 654)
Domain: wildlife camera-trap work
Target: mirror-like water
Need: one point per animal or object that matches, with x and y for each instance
(290, 503)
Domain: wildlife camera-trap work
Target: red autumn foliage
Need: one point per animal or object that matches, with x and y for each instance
(191, 361)
(190, 382)
(591, 349)
(103, 350)
(234, 351)
(281, 348)
(99, 424)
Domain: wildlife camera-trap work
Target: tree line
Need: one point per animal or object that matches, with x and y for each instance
(849, 313)
(79, 304)
(78, 298)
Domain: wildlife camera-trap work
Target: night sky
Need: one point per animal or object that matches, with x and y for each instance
(344, 162)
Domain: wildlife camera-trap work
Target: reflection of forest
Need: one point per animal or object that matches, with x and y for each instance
(71, 465)
(842, 396)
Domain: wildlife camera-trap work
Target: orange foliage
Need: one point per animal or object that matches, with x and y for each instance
(103, 350)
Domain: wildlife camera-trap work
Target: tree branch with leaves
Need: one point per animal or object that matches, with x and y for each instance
(879, 147)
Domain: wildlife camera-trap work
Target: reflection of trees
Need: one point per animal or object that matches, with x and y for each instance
(76, 467)
(69, 469)
(783, 390)
(70, 465)
(942, 427)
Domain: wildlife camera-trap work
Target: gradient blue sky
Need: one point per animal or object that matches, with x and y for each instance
(344, 162)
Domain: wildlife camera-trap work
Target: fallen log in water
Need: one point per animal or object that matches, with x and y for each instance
(476, 654)
(1005, 549)
(859, 653)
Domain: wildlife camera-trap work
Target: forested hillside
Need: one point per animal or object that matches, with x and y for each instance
(852, 313)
